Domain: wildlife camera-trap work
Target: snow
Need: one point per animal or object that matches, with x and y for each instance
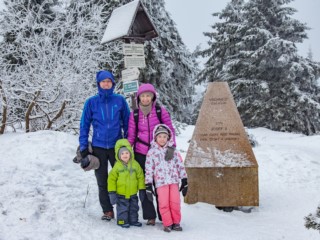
(43, 194)
(120, 21)
(203, 158)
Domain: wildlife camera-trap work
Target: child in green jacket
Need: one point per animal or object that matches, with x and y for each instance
(124, 181)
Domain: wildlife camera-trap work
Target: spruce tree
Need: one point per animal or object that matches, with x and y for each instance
(312, 221)
(255, 49)
(171, 68)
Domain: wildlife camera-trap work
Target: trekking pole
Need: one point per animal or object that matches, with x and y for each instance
(84, 204)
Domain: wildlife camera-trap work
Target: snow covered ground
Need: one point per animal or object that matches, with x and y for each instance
(42, 193)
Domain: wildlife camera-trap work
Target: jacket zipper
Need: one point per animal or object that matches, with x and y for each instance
(107, 124)
(148, 130)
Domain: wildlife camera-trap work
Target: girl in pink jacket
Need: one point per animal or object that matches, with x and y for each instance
(166, 173)
(141, 134)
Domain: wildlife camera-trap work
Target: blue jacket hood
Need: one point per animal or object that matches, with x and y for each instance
(100, 76)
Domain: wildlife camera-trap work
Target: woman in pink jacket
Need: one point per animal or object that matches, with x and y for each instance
(140, 135)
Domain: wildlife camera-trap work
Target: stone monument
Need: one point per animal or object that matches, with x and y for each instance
(222, 169)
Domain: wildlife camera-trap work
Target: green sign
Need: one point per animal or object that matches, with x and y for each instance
(130, 87)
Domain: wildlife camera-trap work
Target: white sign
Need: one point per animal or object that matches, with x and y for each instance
(133, 49)
(134, 61)
(130, 87)
(130, 74)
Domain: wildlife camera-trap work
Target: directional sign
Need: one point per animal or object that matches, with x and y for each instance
(130, 74)
(133, 49)
(134, 61)
(130, 87)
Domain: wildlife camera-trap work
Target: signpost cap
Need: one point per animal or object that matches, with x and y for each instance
(130, 22)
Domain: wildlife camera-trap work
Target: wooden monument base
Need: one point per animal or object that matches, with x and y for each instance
(223, 186)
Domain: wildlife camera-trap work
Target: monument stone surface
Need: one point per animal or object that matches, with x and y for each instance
(222, 169)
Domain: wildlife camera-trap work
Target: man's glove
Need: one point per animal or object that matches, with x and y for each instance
(184, 186)
(84, 153)
(169, 153)
(149, 192)
(113, 198)
(142, 195)
(85, 162)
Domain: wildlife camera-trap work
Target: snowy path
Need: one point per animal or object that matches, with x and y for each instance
(42, 193)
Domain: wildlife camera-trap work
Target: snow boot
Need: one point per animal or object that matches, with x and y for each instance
(126, 225)
(107, 216)
(151, 222)
(167, 229)
(136, 224)
(176, 227)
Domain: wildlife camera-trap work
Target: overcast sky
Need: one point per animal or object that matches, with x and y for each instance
(193, 17)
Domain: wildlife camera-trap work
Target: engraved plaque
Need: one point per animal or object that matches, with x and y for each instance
(222, 169)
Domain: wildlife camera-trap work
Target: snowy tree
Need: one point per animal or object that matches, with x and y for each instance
(3, 107)
(310, 54)
(57, 66)
(255, 52)
(170, 66)
(312, 221)
(50, 55)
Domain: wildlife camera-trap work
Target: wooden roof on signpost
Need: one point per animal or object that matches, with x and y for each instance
(129, 21)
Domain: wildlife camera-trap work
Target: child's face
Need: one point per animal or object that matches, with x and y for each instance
(125, 156)
(162, 139)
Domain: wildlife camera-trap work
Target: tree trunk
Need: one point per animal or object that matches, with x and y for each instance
(59, 114)
(4, 109)
(28, 112)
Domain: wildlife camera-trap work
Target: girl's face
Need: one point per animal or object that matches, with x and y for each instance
(145, 99)
(162, 139)
(106, 84)
(125, 156)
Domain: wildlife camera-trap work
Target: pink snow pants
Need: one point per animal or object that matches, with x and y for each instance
(169, 204)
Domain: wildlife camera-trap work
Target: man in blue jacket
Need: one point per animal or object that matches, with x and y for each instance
(108, 113)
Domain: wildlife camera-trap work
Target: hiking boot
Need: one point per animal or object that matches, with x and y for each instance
(107, 216)
(167, 229)
(151, 222)
(176, 227)
(136, 224)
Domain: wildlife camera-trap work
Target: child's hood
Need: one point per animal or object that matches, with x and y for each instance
(170, 142)
(123, 143)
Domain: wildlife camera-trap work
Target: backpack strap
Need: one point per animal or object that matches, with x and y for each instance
(158, 110)
(136, 120)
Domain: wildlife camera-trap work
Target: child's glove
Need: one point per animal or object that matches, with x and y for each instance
(169, 153)
(113, 198)
(142, 195)
(149, 192)
(184, 186)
